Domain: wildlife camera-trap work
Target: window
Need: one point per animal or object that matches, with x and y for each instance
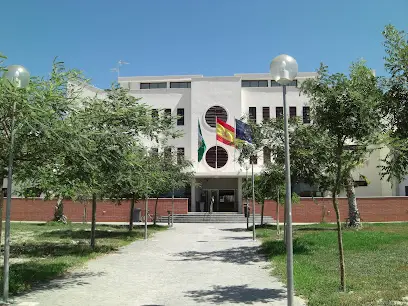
(292, 111)
(279, 112)
(154, 151)
(406, 191)
(216, 153)
(180, 116)
(180, 84)
(180, 155)
(291, 84)
(265, 113)
(306, 114)
(167, 112)
(155, 113)
(252, 114)
(256, 83)
(253, 159)
(266, 155)
(153, 85)
(215, 112)
(167, 152)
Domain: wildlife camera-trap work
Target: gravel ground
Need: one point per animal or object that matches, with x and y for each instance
(190, 264)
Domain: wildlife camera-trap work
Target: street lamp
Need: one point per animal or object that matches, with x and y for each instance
(284, 69)
(18, 77)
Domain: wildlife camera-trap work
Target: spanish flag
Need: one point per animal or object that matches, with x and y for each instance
(225, 133)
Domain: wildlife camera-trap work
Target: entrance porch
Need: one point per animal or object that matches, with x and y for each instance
(224, 194)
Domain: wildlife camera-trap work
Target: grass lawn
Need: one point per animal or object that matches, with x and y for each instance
(376, 263)
(40, 252)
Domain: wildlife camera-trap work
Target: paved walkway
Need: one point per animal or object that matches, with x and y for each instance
(190, 264)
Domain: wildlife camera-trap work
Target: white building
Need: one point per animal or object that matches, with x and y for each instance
(199, 98)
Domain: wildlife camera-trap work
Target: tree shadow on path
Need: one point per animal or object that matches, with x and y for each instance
(236, 294)
(240, 255)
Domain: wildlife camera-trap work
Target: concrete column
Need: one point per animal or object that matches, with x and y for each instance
(239, 194)
(193, 196)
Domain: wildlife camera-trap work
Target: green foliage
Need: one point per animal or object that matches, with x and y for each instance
(395, 106)
(345, 110)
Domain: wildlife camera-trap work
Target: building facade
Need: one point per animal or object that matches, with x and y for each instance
(196, 98)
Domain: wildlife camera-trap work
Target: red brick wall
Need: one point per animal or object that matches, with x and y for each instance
(371, 209)
(40, 210)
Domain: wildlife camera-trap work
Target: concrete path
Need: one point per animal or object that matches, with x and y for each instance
(190, 264)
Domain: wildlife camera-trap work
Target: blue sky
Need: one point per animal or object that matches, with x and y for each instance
(210, 37)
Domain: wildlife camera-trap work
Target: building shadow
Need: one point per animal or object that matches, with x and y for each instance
(244, 255)
(236, 295)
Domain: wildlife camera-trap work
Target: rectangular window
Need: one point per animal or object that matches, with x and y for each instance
(406, 191)
(180, 116)
(253, 159)
(167, 152)
(291, 84)
(265, 113)
(279, 112)
(292, 111)
(180, 155)
(306, 114)
(180, 84)
(155, 113)
(266, 155)
(255, 83)
(154, 151)
(167, 112)
(252, 114)
(153, 85)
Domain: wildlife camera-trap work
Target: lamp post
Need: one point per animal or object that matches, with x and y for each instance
(19, 77)
(284, 69)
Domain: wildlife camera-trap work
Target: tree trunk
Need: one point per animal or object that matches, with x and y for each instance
(1, 211)
(155, 211)
(84, 216)
(277, 218)
(284, 224)
(172, 208)
(340, 243)
(262, 213)
(132, 207)
(93, 225)
(354, 214)
(145, 227)
(335, 191)
(59, 210)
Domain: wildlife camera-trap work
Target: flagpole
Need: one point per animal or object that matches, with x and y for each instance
(216, 144)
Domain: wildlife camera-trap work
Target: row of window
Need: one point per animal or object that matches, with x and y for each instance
(265, 83)
(168, 153)
(212, 114)
(167, 112)
(266, 114)
(158, 85)
(244, 83)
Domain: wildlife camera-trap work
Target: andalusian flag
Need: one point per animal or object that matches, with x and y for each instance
(201, 143)
(225, 133)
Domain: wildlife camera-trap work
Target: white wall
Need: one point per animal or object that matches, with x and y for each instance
(205, 93)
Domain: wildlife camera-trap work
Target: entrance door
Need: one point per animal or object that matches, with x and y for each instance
(227, 200)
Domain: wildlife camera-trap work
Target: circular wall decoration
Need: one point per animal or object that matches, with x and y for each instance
(218, 154)
(214, 112)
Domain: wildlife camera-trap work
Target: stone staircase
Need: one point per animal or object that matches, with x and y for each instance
(216, 217)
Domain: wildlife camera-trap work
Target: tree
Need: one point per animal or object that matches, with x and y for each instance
(346, 110)
(395, 106)
(39, 113)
